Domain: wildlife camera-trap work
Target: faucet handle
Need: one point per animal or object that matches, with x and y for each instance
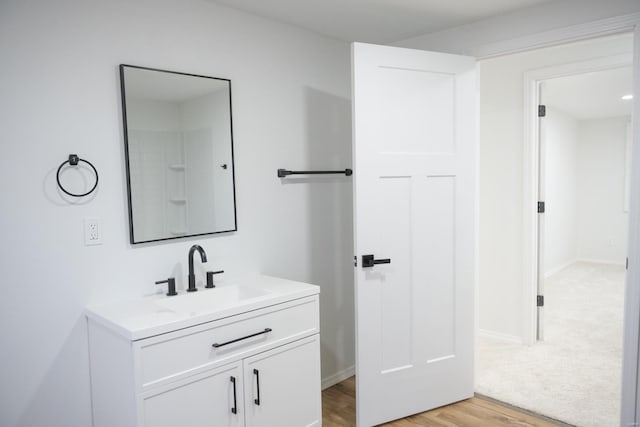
(171, 286)
(210, 278)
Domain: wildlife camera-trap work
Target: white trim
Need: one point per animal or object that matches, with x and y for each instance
(600, 261)
(334, 379)
(500, 336)
(630, 405)
(530, 178)
(558, 269)
(529, 218)
(602, 27)
(627, 166)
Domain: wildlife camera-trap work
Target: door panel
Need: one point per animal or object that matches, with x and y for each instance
(286, 382)
(438, 269)
(414, 158)
(402, 123)
(201, 401)
(394, 303)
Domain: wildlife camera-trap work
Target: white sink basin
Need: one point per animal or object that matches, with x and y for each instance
(208, 300)
(234, 294)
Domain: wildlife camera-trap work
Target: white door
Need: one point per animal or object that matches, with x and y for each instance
(212, 398)
(282, 386)
(414, 157)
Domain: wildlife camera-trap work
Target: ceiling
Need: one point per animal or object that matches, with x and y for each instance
(591, 95)
(377, 21)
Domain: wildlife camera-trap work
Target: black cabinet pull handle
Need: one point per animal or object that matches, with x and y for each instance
(257, 374)
(368, 261)
(235, 402)
(217, 345)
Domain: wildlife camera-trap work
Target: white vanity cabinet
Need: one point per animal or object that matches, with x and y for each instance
(255, 366)
(275, 388)
(204, 400)
(289, 386)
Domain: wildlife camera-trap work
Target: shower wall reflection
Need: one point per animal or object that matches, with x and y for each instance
(180, 154)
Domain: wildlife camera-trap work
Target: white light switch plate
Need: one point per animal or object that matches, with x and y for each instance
(92, 231)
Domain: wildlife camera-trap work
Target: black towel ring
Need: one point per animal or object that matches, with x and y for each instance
(73, 161)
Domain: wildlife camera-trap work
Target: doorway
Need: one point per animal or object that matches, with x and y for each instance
(581, 274)
(500, 211)
(584, 163)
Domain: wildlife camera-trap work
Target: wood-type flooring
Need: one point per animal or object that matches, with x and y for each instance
(339, 410)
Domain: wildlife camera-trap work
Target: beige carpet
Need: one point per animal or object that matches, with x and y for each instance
(575, 374)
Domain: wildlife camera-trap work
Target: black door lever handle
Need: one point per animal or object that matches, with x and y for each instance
(368, 261)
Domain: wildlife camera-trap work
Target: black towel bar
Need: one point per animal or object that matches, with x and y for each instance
(283, 172)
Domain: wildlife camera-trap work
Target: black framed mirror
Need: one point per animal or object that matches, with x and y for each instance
(178, 137)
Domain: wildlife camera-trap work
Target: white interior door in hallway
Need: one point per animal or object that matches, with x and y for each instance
(414, 118)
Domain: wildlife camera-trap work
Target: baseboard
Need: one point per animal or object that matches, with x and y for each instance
(599, 261)
(587, 260)
(500, 336)
(559, 268)
(338, 377)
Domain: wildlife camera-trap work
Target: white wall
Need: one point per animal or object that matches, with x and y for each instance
(475, 38)
(60, 94)
(500, 270)
(601, 220)
(560, 140)
(585, 218)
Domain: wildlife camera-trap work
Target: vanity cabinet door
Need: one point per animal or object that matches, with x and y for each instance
(205, 400)
(282, 386)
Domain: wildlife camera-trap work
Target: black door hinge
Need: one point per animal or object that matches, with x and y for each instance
(355, 260)
(540, 301)
(542, 110)
(540, 207)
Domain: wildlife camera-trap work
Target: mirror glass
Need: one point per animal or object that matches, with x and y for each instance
(179, 149)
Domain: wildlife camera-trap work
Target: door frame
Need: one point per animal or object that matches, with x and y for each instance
(630, 410)
(532, 81)
(630, 400)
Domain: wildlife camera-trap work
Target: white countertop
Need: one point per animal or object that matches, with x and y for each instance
(149, 316)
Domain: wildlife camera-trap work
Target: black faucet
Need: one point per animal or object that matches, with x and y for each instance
(192, 276)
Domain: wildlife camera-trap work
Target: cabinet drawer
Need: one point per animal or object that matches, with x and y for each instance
(189, 351)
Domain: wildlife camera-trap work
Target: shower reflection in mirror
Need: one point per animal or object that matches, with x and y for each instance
(179, 148)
